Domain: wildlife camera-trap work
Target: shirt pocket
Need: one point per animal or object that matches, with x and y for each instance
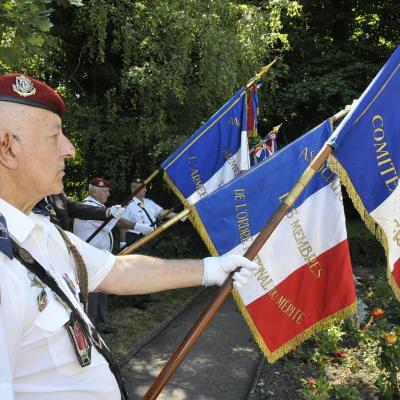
(51, 322)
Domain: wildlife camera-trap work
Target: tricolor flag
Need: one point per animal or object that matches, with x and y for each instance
(213, 155)
(252, 109)
(265, 148)
(305, 278)
(218, 151)
(367, 159)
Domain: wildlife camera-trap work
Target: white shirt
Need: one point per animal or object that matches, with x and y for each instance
(135, 213)
(37, 359)
(84, 228)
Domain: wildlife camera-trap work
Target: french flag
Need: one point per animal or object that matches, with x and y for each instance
(213, 155)
(367, 158)
(305, 279)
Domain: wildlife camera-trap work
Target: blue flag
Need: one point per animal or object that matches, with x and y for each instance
(213, 155)
(304, 278)
(367, 158)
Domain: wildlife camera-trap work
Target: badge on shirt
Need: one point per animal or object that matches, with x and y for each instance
(79, 340)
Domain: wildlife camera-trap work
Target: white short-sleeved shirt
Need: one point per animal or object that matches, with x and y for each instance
(84, 228)
(135, 213)
(37, 359)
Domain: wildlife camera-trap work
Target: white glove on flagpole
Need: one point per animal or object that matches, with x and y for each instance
(115, 211)
(217, 269)
(143, 228)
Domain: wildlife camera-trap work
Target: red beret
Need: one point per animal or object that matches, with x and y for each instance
(100, 182)
(22, 89)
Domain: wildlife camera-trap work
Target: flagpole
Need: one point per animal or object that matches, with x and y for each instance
(135, 192)
(200, 325)
(263, 71)
(145, 239)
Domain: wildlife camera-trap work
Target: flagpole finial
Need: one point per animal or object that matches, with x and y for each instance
(263, 71)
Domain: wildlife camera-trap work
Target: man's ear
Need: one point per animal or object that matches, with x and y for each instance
(7, 155)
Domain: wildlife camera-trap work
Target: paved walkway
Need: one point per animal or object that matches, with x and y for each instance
(221, 366)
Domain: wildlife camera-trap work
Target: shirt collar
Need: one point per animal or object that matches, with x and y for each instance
(19, 225)
(137, 200)
(94, 201)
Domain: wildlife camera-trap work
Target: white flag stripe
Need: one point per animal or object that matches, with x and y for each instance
(387, 215)
(229, 170)
(281, 249)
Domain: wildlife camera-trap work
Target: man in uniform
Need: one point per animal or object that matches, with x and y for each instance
(62, 210)
(49, 349)
(99, 191)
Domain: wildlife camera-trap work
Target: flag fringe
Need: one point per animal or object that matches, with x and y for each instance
(335, 166)
(273, 356)
(193, 217)
(178, 193)
(202, 231)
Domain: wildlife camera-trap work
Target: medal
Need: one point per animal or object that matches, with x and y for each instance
(79, 340)
(25, 256)
(42, 300)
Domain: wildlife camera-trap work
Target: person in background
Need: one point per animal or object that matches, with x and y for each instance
(99, 191)
(62, 210)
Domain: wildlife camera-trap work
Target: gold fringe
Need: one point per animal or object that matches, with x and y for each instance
(193, 216)
(297, 340)
(178, 193)
(335, 166)
(195, 219)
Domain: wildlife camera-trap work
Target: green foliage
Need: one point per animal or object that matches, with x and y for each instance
(330, 339)
(25, 37)
(365, 250)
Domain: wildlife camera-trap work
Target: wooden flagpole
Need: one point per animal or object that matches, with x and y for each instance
(145, 239)
(205, 318)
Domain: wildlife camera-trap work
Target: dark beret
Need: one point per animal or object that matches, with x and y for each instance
(23, 89)
(100, 182)
(137, 180)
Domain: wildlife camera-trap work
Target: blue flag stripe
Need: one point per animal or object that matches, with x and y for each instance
(249, 201)
(199, 133)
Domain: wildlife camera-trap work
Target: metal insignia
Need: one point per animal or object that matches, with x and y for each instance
(35, 281)
(23, 86)
(42, 300)
(26, 257)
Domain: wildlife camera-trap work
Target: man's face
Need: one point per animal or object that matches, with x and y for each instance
(142, 193)
(41, 148)
(101, 194)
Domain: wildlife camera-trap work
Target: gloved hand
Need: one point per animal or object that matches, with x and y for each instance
(217, 269)
(184, 218)
(143, 228)
(115, 211)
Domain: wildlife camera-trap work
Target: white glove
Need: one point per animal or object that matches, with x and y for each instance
(122, 245)
(143, 228)
(217, 269)
(115, 211)
(184, 218)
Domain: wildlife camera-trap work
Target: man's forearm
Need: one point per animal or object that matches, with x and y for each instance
(138, 274)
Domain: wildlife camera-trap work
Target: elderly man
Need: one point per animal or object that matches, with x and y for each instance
(48, 346)
(99, 191)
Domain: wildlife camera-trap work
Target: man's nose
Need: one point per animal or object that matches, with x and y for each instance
(67, 148)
